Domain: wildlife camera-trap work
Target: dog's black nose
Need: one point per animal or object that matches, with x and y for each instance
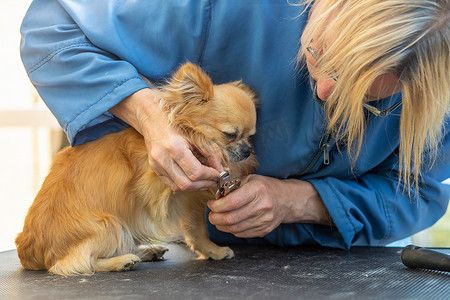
(240, 152)
(246, 150)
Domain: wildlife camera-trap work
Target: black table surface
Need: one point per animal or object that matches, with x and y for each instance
(257, 272)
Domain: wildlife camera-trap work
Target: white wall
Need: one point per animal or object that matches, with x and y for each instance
(24, 150)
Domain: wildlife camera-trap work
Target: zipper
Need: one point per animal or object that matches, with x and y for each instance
(324, 144)
(324, 148)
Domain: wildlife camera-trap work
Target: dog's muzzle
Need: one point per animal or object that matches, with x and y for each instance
(240, 152)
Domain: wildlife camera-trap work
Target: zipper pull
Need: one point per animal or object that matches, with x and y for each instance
(325, 146)
(326, 154)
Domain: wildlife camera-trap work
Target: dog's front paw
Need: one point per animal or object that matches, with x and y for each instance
(152, 252)
(219, 253)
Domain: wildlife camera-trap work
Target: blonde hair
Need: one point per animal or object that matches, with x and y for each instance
(362, 39)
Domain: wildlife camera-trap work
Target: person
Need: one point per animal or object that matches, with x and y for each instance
(352, 133)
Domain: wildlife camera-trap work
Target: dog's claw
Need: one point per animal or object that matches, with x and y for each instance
(131, 265)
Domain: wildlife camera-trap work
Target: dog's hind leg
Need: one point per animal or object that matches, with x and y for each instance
(116, 250)
(82, 263)
(77, 262)
(124, 262)
(111, 248)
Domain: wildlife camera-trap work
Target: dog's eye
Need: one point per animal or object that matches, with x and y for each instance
(230, 136)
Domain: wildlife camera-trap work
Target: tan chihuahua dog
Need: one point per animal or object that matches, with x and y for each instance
(101, 204)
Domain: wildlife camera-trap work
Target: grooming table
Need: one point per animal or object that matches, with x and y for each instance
(257, 272)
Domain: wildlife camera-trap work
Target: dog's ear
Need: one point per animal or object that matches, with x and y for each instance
(193, 84)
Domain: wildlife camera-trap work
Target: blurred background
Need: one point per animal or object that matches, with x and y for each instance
(30, 136)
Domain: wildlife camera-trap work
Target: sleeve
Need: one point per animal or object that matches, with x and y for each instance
(373, 210)
(84, 57)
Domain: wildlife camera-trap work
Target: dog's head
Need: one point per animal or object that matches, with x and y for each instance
(212, 115)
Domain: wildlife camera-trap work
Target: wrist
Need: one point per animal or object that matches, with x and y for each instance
(305, 204)
(137, 109)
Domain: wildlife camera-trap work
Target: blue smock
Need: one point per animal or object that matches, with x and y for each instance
(85, 56)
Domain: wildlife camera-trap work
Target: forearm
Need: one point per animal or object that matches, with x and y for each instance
(137, 108)
(304, 204)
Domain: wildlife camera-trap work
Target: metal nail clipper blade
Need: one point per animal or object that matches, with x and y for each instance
(226, 184)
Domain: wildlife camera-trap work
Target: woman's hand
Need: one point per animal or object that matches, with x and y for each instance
(170, 155)
(262, 203)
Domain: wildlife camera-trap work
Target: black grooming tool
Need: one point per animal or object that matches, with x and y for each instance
(422, 258)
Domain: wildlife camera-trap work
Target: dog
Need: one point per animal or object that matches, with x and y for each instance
(102, 207)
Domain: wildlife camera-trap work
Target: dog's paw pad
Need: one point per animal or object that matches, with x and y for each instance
(153, 253)
(229, 254)
(159, 252)
(131, 265)
(157, 257)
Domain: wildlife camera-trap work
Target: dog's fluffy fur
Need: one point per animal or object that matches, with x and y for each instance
(101, 204)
